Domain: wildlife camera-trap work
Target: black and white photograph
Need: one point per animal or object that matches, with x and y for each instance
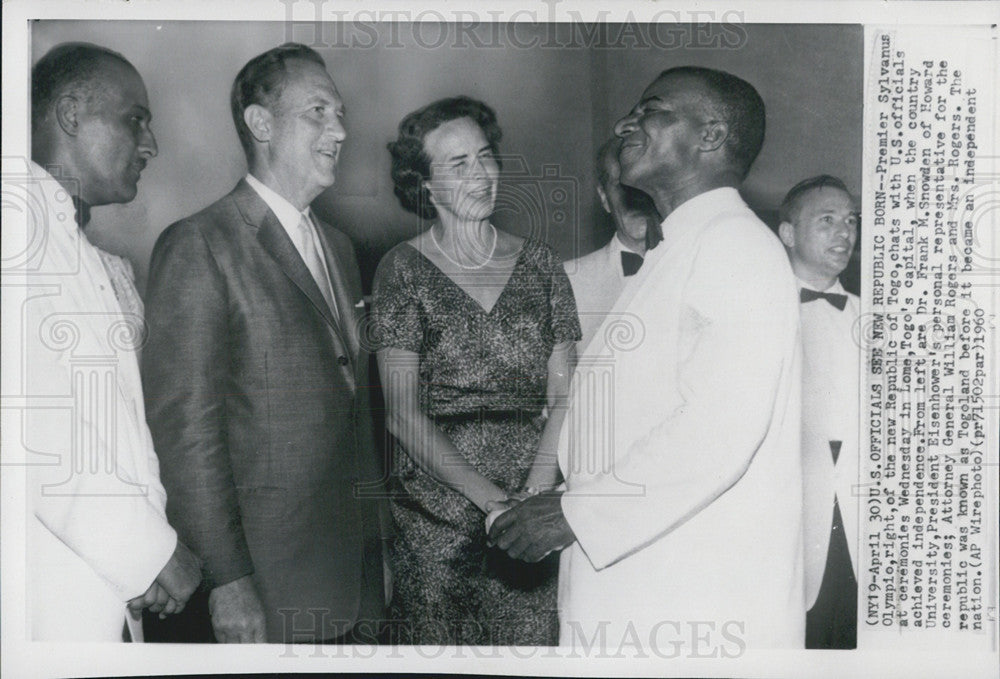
(550, 340)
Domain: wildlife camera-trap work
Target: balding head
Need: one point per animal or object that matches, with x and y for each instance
(90, 116)
(633, 212)
(78, 69)
(607, 161)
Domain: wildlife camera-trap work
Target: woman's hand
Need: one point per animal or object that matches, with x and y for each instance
(497, 507)
(427, 445)
(527, 492)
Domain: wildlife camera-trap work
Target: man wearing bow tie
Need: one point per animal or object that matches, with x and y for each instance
(819, 226)
(599, 277)
(98, 536)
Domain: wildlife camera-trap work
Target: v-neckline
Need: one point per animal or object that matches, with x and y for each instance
(476, 302)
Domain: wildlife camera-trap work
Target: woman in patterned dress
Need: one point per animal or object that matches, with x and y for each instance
(475, 330)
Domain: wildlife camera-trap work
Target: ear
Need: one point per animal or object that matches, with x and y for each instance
(602, 194)
(67, 110)
(786, 232)
(258, 119)
(714, 135)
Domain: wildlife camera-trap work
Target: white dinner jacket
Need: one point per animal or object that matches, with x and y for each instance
(98, 534)
(680, 448)
(831, 369)
(597, 280)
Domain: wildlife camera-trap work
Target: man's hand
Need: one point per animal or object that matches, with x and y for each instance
(533, 528)
(237, 614)
(180, 577)
(155, 599)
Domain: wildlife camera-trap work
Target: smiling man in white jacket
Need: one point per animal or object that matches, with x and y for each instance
(681, 516)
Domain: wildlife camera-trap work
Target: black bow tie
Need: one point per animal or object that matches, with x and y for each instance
(630, 262)
(807, 295)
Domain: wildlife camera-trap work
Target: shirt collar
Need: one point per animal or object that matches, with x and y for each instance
(617, 246)
(289, 216)
(693, 214)
(835, 289)
(56, 199)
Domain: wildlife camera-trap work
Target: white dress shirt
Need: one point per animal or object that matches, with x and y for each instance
(831, 369)
(680, 447)
(98, 535)
(291, 218)
(597, 281)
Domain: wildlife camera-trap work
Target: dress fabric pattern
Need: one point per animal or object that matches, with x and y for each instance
(482, 381)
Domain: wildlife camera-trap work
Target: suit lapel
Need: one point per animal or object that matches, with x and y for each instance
(275, 241)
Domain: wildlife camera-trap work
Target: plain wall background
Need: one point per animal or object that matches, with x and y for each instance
(556, 106)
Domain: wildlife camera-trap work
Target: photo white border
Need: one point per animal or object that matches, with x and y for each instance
(22, 659)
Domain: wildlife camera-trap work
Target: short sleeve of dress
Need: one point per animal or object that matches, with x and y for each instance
(396, 318)
(565, 320)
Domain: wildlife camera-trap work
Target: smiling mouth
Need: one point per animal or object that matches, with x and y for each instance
(629, 149)
(331, 154)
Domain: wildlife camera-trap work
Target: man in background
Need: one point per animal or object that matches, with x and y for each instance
(819, 227)
(99, 535)
(598, 278)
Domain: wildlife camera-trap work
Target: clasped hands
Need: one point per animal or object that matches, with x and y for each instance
(531, 527)
(173, 586)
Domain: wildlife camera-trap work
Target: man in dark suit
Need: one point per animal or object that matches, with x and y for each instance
(255, 378)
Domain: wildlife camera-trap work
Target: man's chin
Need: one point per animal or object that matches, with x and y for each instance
(325, 180)
(126, 194)
(631, 176)
(839, 263)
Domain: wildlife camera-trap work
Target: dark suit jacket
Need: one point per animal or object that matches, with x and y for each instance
(258, 403)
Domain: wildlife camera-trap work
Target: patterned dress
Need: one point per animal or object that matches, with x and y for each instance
(482, 380)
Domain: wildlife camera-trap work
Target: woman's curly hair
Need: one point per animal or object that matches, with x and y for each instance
(411, 166)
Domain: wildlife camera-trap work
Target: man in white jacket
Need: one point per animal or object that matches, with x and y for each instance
(681, 517)
(819, 227)
(599, 277)
(98, 539)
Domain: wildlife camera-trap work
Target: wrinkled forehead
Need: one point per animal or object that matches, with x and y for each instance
(827, 199)
(117, 80)
(304, 78)
(453, 137)
(679, 87)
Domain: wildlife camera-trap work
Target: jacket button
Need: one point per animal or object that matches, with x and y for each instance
(342, 360)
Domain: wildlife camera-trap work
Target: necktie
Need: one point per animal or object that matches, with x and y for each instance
(310, 255)
(630, 262)
(807, 295)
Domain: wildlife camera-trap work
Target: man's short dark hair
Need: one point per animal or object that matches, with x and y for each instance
(261, 82)
(739, 105)
(68, 68)
(792, 204)
(411, 166)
